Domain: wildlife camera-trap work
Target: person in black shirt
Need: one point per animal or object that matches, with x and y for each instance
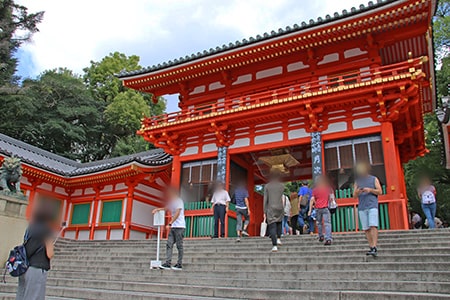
(40, 250)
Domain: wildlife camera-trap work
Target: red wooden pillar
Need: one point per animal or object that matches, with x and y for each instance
(394, 186)
(34, 184)
(227, 188)
(176, 172)
(130, 195)
(95, 212)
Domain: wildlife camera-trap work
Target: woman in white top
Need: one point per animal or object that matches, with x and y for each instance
(220, 202)
(427, 194)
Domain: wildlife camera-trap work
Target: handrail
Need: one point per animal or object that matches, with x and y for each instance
(323, 84)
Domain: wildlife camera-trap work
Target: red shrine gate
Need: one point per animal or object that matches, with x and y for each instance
(310, 99)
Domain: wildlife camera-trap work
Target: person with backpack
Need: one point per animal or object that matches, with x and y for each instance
(176, 227)
(427, 195)
(287, 214)
(38, 243)
(242, 210)
(304, 196)
(320, 200)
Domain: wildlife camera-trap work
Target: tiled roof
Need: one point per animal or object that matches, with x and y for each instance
(63, 166)
(253, 40)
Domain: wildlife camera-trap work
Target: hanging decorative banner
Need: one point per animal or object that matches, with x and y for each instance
(221, 164)
(316, 154)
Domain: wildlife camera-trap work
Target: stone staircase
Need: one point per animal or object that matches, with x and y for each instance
(410, 265)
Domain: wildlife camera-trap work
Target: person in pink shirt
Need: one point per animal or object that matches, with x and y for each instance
(320, 199)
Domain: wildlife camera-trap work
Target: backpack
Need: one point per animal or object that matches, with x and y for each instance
(18, 260)
(305, 200)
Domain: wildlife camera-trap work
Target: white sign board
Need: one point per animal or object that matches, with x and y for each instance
(159, 218)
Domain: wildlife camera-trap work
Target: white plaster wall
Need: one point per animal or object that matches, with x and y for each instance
(137, 235)
(60, 190)
(45, 186)
(269, 72)
(77, 192)
(240, 143)
(121, 186)
(149, 190)
(329, 58)
(89, 191)
(107, 188)
(215, 85)
(190, 151)
(243, 78)
(142, 213)
(364, 123)
(116, 234)
(336, 127)
(69, 235)
(297, 133)
(296, 66)
(353, 52)
(209, 147)
(269, 138)
(100, 234)
(83, 235)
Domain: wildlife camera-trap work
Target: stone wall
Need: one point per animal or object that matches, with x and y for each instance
(12, 224)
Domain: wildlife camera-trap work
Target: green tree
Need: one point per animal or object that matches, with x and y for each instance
(124, 107)
(16, 27)
(64, 115)
(430, 165)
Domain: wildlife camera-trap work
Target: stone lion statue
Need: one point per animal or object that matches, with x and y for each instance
(10, 174)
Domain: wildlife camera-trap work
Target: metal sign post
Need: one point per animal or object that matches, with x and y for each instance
(158, 220)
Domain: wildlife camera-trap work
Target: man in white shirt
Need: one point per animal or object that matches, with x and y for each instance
(176, 227)
(220, 202)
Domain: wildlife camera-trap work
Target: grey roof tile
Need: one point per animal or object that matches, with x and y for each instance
(66, 167)
(266, 36)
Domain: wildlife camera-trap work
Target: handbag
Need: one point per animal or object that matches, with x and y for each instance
(262, 233)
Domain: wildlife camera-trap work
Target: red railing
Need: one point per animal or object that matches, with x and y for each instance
(324, 84)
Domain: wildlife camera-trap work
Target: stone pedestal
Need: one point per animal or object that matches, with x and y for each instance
(12, 223)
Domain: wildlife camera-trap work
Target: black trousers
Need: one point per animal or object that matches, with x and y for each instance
(219, 215)
(294, 224)
(274, 232)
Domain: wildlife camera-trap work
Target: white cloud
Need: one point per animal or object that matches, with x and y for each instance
(74, 32)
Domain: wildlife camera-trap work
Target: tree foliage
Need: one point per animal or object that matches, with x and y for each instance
(87, 117)
(431, 164)
(16, 27)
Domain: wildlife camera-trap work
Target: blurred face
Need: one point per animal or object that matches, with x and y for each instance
(362, 169)
(172, 194)
(219, 186)
(425, 181)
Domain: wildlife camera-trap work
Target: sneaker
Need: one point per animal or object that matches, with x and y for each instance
(165, 266)
(327, 243)
(279, 243)
(321, 239)
(373, 251)
(274, 249)
(177, 267)
(238, 240)
(245, 233)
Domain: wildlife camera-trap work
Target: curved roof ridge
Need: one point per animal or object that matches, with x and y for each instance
(64, 166)
(258, 38)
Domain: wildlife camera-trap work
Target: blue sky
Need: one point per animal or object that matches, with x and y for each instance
(74, 32)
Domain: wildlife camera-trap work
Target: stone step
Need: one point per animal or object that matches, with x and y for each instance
(269, 259)
(255, 267)
(156, 275)
(208, 241)
(284, 252)
(7, 291)
(190, 285)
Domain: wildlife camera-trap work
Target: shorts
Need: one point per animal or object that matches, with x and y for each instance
(368, 218)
